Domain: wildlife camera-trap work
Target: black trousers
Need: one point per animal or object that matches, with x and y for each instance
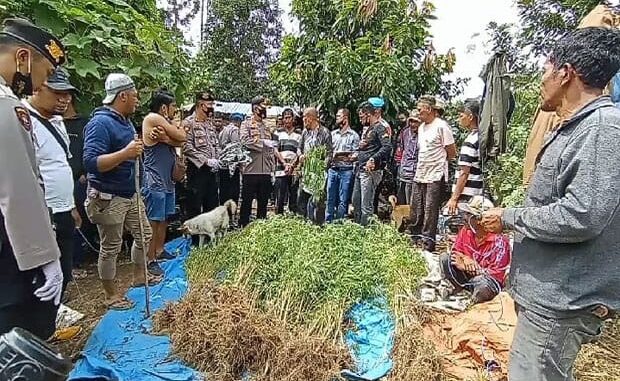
(65, 229)
(202, 190)
(287, 188)
(425, 205)
(257, 187)
(315, 212)
(33, 315)
(229, 186)
(18, 305)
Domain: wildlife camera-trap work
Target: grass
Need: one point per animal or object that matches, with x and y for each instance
(601, 361)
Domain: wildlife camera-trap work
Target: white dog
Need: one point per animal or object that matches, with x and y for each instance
(212, 224)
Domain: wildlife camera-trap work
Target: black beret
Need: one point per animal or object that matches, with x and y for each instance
(45, 43)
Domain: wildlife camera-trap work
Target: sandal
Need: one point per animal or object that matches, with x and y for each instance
(121, 304)
(153, 280)
(79, 274)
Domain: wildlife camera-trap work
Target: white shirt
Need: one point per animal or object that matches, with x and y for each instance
(53, 164)
(433, 139)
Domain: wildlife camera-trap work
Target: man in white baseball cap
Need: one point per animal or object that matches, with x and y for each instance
(115, 84)
(110, 151)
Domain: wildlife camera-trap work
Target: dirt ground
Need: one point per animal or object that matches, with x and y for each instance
(86, 296)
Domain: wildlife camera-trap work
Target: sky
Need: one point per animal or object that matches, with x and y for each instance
(460, 25)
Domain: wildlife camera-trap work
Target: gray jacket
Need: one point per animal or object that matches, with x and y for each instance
(566, 255)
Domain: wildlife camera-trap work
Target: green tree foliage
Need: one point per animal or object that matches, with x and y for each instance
(180, 13)
(544, 21)
(348, 50)
(242, 38)
(105, 36)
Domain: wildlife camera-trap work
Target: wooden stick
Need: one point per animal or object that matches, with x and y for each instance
(144, 250)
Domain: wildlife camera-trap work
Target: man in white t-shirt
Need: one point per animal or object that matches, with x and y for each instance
(51, 143)
(436, 149)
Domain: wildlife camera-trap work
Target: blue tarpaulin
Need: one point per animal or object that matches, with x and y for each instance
(121, 348)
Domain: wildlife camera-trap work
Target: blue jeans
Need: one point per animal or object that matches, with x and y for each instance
(338, 185)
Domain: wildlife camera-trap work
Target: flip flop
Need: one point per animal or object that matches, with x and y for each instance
(153, 280)
(121, 304)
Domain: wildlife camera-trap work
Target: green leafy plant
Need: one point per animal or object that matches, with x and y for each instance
(314, 172)
(312, 275)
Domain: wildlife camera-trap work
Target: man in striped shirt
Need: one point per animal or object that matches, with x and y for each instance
(287, 183)
(468, 178)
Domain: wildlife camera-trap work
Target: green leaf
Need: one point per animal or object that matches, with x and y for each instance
(84, 66)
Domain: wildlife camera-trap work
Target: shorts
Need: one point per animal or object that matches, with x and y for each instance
(159, 205)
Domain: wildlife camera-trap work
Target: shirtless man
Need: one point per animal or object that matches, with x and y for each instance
(160, 135)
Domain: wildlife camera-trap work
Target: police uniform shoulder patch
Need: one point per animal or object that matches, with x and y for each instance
(24, 117)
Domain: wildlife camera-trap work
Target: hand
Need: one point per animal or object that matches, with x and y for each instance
(213, 163)
(52, 288)
(452, 207)
(134, 149)
(158, 134)
(77, 219)
(269, 143)
(288, 169)
(82, 179)
(370, 165)
(470, 265)
(363, 143)
(491, 220)
(457, 261)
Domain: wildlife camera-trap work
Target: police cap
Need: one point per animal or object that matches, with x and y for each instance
(45, 43)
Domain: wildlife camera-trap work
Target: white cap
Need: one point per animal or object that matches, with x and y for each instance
(476, 205)
(114, 84)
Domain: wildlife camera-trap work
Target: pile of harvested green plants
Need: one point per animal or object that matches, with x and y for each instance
(272, 299)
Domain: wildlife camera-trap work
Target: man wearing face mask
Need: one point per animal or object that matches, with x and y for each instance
(202, 152)
(46, 108)
(257, 138)
(30, 272)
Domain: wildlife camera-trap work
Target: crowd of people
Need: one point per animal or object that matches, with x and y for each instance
(100, 176)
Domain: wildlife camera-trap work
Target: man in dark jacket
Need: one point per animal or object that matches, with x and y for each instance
(111, 147)
(374, 152)
(564, 275)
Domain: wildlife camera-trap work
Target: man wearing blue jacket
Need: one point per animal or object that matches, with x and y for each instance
(111, 147)
(564, 272)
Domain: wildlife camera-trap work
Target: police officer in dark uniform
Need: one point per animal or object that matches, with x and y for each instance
(30, 272)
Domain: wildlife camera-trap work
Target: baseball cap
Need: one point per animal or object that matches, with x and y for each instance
(237, 116)
(376, 102)
(476, 205)
(115, 84)
(59, 81)
(415, 115)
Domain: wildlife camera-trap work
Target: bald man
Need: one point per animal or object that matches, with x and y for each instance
(314, 135)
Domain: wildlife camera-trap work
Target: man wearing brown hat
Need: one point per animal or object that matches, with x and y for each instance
(30, 272)
(436, 149)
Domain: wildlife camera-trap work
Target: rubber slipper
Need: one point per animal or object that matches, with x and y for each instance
(122, 304)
